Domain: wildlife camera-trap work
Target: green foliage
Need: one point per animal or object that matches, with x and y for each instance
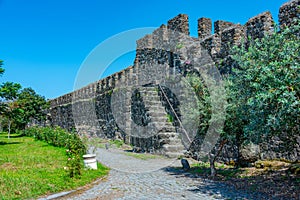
(179, 45)
(204, 101)
(211, 107)
(61, 138)
(265, 90)
(170, 118)
(33, 104)
(30, 169)
(117, 143)
(1, 68)
(21, 106)
(9, 109)
(10, 91)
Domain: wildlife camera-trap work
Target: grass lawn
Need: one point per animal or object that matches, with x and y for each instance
(29, 169)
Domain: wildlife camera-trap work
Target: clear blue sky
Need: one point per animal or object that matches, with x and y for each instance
(44, 42)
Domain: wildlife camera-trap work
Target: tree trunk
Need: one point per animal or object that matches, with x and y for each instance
(212, 159)
(9, 125)
(1, 126)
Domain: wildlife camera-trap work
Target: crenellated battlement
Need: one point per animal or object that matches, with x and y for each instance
(288, 13)
(180, 23)
(226, 34)
(204, 27)
(169, 50)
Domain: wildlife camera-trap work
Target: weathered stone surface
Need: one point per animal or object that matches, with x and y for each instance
(220, 26)
(108, 107)
(259, 26)
(231, 37)
(289, 13)
(285, 146)
(249, 153)
(180, 24)
(212, 44)
(185, 164)
(204, 27)
(295, 168)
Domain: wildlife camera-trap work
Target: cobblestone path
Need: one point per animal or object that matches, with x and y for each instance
(161, 180)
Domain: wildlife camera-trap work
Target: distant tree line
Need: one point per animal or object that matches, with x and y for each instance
(19, 106)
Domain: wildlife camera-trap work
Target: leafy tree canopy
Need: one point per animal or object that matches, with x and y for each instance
(9, 91)
(33, 104)
(1, 68)
(19, 106)
(266, 86)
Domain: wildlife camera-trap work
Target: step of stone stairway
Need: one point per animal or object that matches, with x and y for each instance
(174, 154)
(150, 99)
(164, 127)
(173, 141)
(157, 113)
(148, 91)
(170, 141)
(154, 107)
(167, 135)
(162, 122)
(160, 119)
(173, 148)
(154, 98)
(168, 138)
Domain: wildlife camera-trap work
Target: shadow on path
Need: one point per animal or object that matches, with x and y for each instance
(213, 188)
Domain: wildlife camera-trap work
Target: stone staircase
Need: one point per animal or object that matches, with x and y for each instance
(169, 141)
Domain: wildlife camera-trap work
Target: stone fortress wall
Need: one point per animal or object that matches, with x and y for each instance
(130, 104)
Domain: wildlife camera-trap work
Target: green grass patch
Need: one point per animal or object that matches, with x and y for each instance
(224, 170)
(30, 168)
(117, 143)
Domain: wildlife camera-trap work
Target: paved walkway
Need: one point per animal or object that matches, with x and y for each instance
(160, 181)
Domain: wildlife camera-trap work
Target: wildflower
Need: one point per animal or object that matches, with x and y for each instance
(187, 62)
(69, 158)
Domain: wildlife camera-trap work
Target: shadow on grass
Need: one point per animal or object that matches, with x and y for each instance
(8, 143)
(2, 135)
(18, 136)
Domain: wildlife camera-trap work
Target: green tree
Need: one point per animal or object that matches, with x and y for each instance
(212, 105)
(9, 92)
(1, 68)
(265, 88)
(263, 92)
(21, 106)
(33, 105)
